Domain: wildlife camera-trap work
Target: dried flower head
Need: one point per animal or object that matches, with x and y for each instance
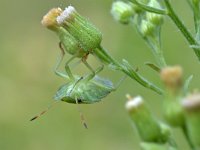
(172, 77)
(49, 20)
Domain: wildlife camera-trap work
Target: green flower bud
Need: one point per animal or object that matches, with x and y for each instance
(191, 105)
(172, 78)
(147, 28)
(173, 111)
(69, 43)
(153, 146)
(79, 27)
(148, 127)
(166, 132)
(122, 12)
(196, 2)
(153, 17)
(137, 9)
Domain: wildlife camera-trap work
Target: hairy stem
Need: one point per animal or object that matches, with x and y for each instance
(125, 68)
(195, 45)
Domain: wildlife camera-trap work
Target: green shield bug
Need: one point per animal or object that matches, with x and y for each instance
(81, 90)
(84, 91)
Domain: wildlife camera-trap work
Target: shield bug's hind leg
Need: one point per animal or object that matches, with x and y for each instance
(89, 67)
(59, 63)
(81, 115)
(90, 76)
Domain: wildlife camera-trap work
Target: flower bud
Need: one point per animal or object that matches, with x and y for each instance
(147, 28)
(148, 127)
(69, 43)
(191, 106)
(172, 78)
(122, 12)
(153, 17)
(153, 146)
(173, 111)
(196, 2)
(49, 20)
(79, 27)
(137, 9)
(166, 132)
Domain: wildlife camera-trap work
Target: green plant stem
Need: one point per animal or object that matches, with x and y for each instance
(149, 8)
(158, 54)
(196, 11)
(195, 45)
(105, 57)
(188, 138)
(170, 12)
(155, 44)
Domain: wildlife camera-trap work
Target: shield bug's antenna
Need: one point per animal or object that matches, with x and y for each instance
(81, 115)
(44, 111)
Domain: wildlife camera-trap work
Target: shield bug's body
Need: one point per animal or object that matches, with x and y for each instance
(84, 91)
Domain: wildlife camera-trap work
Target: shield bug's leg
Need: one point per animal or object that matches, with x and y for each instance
(90, 76)
(81, 115)
(90, 68)
(69, 73)
(67, 69)
(99, 69)
(59, 62)
(75, 84)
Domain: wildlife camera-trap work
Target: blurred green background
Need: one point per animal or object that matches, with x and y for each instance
(28, 53)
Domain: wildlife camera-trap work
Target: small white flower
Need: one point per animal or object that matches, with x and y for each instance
(65, 14)
(134, 103)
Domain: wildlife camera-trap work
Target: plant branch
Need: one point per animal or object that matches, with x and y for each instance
(195, 45)
(125, 68)
(187, 138)
(149, 8)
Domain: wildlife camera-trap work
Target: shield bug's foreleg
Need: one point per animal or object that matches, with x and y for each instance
(67, 69)
(59, 62)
